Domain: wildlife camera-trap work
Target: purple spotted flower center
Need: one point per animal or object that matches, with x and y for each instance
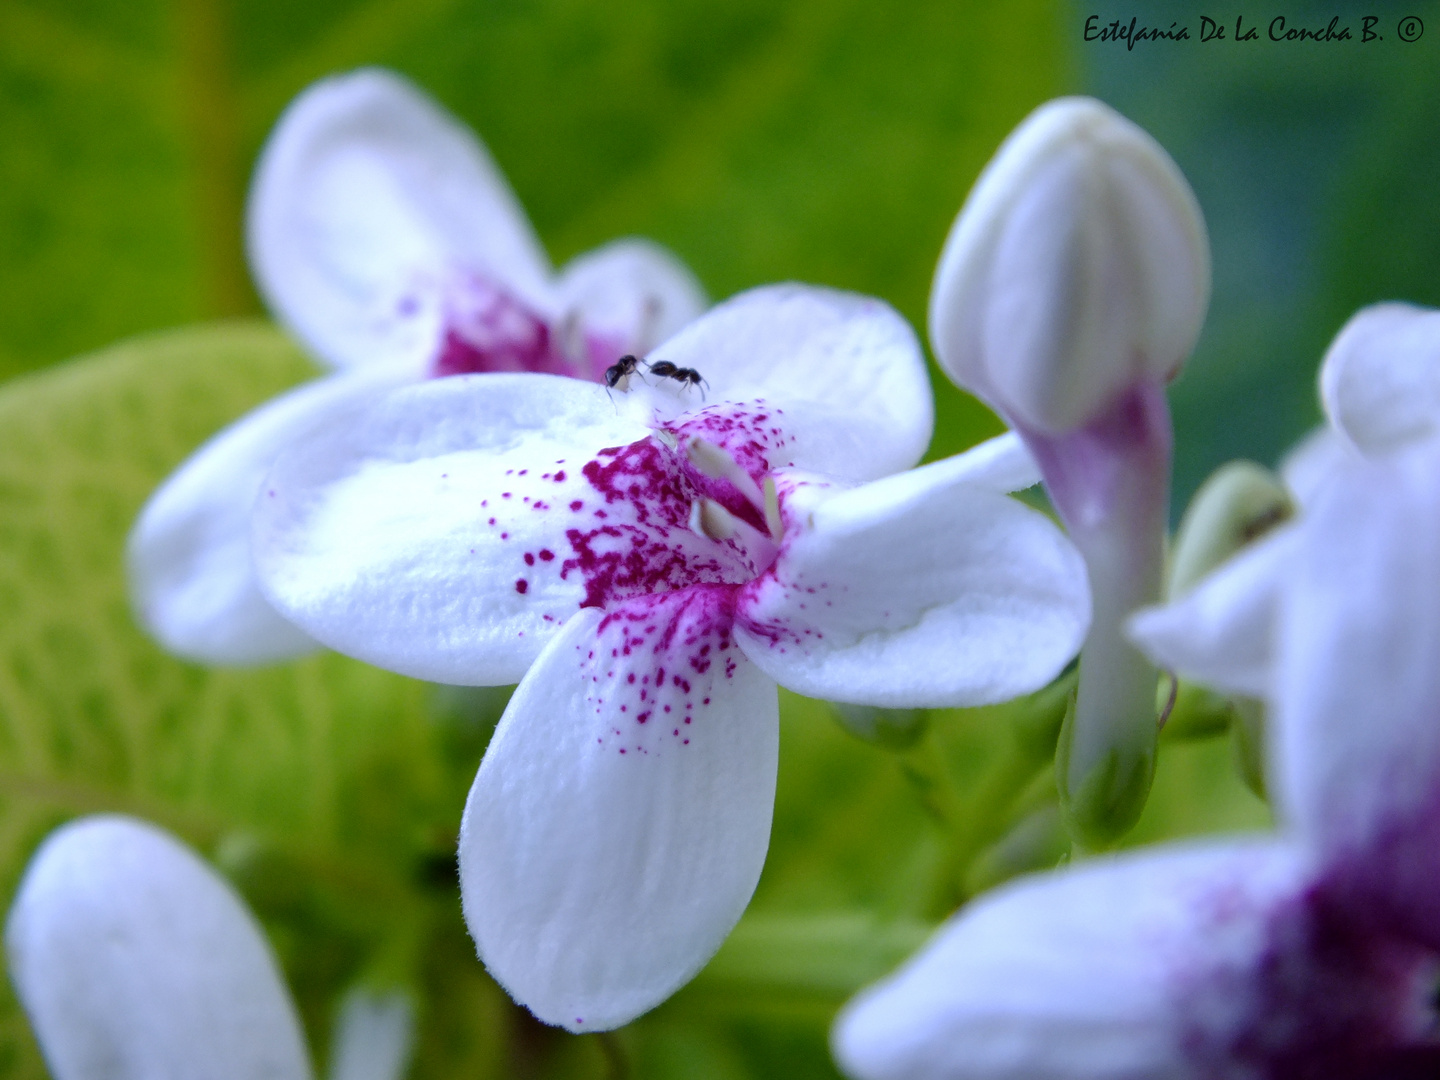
(663, 536)
(486, 328)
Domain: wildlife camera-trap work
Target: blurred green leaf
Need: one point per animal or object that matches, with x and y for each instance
(795, 962)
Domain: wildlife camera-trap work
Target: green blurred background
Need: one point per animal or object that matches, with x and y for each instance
(823, 140)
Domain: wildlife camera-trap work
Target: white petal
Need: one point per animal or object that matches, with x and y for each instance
(366, 197)
(845, 373)
(1358, 746)
(921, 589)
(632, 291)
(1003, 463)
(1380, 381)
(135, 961)
(1140, 967)
(1308, 466)
(425, 534)
(191, 573)
(616, 829)
(1222, 632)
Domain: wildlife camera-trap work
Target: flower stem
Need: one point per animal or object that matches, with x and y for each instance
(1110, 482)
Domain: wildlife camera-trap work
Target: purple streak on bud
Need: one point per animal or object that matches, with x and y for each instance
(1110, 482)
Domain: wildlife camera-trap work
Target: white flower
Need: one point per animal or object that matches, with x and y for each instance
(135, 961)
(1311, 954)
(649, 568)
(1380, 387)
(383, 235)
(1071, 289)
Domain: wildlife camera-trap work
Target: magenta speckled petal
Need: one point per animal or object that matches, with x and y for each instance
(619, 821)
(430, 534)
(191, 573)
(366, 197)
(137, 961)
(846, 371)
(922, 589)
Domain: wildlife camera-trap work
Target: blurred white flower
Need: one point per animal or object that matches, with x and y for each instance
(1311, 954)
(1380, 380)
(649, 568)
(135, 961)
(1380, 389)
(383, 235)
(1071, 289)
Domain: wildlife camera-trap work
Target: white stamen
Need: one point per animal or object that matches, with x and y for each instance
(716, 463)
(649, 323)
(716, 522)
(772, 511)
(571, 334)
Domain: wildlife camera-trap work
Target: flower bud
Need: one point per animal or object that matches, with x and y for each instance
(1036, 842)
(894, 729)
(1380, 380)
(1078, 267)
(1239, 503)
(374, 1035)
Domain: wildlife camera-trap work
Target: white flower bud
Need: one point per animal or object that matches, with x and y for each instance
(1239, 503)
(1380, 382)
(1078, 267)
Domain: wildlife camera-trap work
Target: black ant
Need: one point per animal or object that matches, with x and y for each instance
(621, 369)
(688, 376)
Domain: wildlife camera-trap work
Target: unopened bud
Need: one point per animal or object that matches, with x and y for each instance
(1078, 268)
(1248, 732)
(894, 729)
(1380, 380)
(1038, 841)
(373, 1035)
(1238, 504)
